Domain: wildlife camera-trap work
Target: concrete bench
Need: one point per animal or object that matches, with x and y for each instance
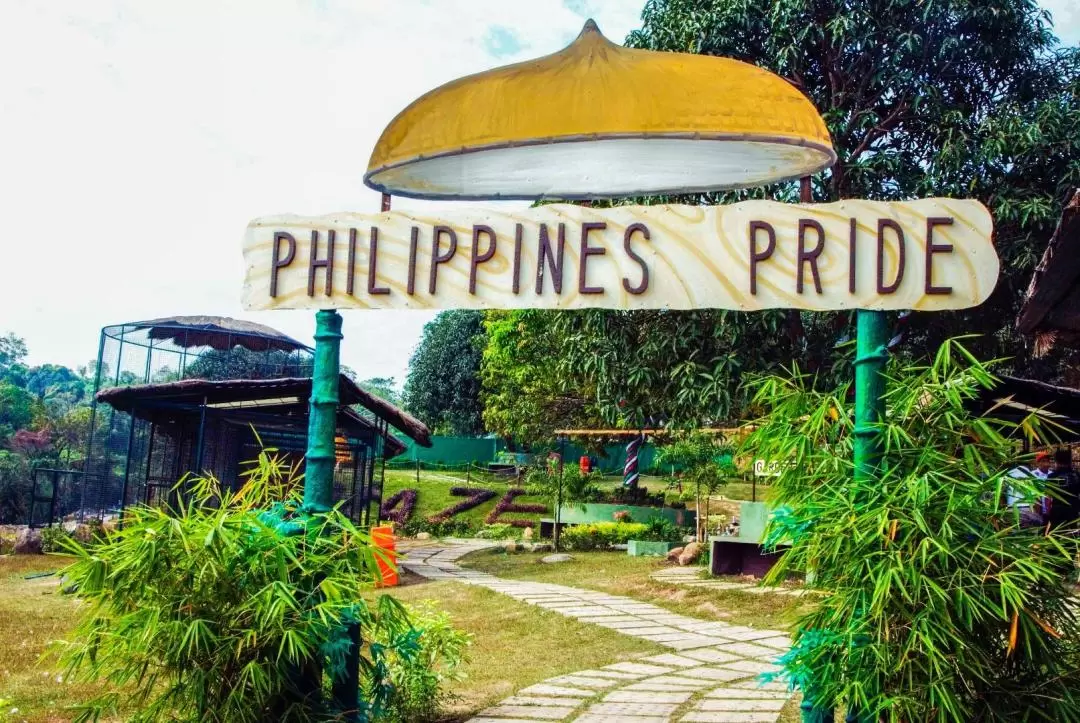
(743, 554)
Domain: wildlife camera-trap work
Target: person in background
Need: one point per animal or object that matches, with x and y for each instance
(1066, 509)
(1032, 512)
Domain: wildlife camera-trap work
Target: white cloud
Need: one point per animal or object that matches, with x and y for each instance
(138, 138)
(1066, 17)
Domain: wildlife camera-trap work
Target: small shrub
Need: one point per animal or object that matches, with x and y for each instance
(420, 680)
(398, 508)
(601, 535)
(230, 609)
(577, 488)
(53, 539)
(660, 529)
(474, 497)
(7, 540)
(498, 531)
(445, 528)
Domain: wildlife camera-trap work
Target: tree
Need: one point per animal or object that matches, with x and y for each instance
(705, 461)
(18, 410)
(71, 433)
(921, 97)
(443, 385)
(382, 387)
(12, 353)
(58, 387)
(524, 399)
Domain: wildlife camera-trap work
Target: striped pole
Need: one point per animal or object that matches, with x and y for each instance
(630, 469)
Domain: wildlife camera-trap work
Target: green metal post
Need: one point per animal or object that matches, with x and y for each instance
(870, 356)
(322, 422)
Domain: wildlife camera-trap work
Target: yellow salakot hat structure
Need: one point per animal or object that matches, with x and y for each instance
(597, 120)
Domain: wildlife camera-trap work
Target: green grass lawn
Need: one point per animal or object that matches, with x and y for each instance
(620, 574)
(514, 644)
(433, 493)
(32, 614)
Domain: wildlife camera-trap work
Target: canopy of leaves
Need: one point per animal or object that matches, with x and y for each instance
(18, 409)
(382, 387)
(524, 398)
(938, 605)
(922, 98)
(443, 386)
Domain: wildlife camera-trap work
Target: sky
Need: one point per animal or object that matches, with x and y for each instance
(138, 138)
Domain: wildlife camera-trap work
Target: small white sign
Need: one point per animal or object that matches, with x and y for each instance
(771, 468)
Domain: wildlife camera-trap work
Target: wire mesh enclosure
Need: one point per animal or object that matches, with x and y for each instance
(197, 395)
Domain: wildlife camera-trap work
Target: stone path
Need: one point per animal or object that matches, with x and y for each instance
(691, 577)
(710, 675)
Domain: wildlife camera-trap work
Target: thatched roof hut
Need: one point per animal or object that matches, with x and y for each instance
(1051, 309)
(216, 332)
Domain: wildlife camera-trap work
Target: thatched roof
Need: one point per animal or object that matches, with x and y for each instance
(238, 390)
(218, 332)
(1051, 309)
(1014, 399)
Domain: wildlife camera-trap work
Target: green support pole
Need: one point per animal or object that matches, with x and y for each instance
(870, 356)
(871, 353)
(322, 422)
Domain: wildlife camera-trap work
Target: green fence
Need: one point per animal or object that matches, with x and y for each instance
(455, 451)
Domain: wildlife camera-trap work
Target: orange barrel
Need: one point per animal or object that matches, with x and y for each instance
(385, 557)
(585, 464)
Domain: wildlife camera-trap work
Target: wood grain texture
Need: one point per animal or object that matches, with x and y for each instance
(697, 257)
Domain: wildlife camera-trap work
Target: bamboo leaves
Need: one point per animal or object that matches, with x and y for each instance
(938, 605)
(205, 613)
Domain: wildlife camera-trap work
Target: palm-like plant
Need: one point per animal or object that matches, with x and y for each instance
(937, 604)
(215, 612)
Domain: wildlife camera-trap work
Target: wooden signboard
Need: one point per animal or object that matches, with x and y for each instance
(930, 254)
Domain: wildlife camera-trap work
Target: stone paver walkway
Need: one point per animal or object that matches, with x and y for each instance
(710, 675)
(691, 577)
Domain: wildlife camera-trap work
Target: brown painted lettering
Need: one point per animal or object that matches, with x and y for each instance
(351, 272)
(438, 258)
(373, 260)
(630, 231)
(414, 239)
(853, 225)
(586, 252)
(314, 262)
(809, 257)
(278, 261)
(519, 232)
(882, 287)
(933, 248)
(756, 256)
(477, 257)
(554, 259)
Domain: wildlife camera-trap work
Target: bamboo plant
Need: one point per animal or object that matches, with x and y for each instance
(936, 604)
(206, 612)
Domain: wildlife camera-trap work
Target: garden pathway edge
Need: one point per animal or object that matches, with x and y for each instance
(711, 675)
